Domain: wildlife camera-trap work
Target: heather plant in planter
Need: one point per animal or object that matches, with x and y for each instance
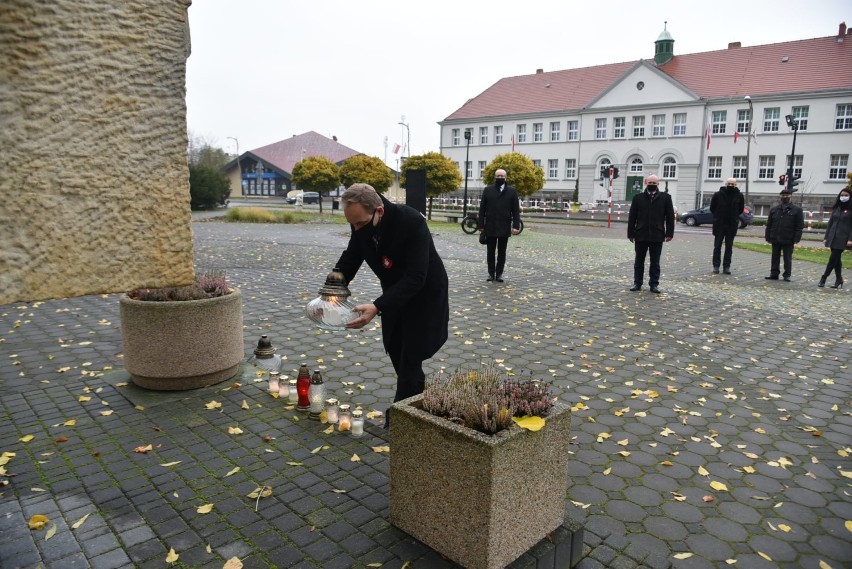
(178, 338)
(469, 482)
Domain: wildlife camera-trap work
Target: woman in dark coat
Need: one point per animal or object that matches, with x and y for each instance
(838, 237)
(395, 242)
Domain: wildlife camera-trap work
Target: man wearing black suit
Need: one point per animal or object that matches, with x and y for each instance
(499, 217)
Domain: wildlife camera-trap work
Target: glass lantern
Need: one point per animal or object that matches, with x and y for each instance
(332, 309)
(274, 384)
(264, 357)
(344, 418)
(357, 423)
(303, 384)
(293, 392)
(331, 410)
(283, 389)
(316, 394)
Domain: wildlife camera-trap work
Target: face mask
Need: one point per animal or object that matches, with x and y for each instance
(499, 182)
(652, 189)
(368, 231)
(844, 199)
(785, 200)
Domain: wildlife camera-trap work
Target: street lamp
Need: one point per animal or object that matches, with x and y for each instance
(466, 160)
(408, 133)
(748, 143)
(239, 166)
(791, 180)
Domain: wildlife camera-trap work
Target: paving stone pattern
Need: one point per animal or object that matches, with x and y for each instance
(725, 381)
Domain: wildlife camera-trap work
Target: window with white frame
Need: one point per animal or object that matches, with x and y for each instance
(537, 164)
(743, 116)
(456, 135)
(571, 168)
(600, 129)
(498, 135)
(714, 168)
(679, 124)
(766, 168)
(458, 168)
(797, 164)
(469, 169)
(843, 118)
(669, 168)
(481, 167)
(573, 130)
(659, 125)
(801, 115)
(538, 132)
(618, 127)
(522, 133)
(483, 135)
(636, 165)
(552, 169)
(719, 121)
(771, 119)
(837, 166)
(604, 163)
(639, 126)
(740, 170)
(555, 132)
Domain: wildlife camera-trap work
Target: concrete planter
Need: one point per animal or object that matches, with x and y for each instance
(182, 344)
(480, 500)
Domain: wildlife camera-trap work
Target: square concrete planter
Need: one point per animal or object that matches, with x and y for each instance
(176, 345)
(480, 500)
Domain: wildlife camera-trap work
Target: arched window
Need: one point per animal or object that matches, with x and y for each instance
(604, 163)
(669, 168)
(636, 165)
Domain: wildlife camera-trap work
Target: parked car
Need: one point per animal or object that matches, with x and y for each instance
(303, 198)
(702, 216)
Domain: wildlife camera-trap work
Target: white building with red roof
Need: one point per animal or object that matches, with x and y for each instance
(686, 118)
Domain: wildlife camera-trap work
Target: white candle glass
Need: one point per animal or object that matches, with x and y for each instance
(283, 390)
(344, 418)
(273, 382)
(293, 396)
(331, 410)
(357, 423)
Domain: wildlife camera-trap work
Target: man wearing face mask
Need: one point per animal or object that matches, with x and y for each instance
(395, 242)
(649, 224)
(500, 217)
(783, 229)
(726, 206)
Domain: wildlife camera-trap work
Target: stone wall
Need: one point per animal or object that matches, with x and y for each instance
(94, 191)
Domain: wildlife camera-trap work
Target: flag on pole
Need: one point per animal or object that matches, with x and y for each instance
(396, 148)
(736, 137)
(513, 143)
(707, 135)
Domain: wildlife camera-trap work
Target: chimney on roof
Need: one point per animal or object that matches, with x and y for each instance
(842, 30)
(538, 71)
(334, 138)
(734, 45)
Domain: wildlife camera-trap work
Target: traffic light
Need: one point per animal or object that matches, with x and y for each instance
(614, 173)
(792, 182)
(604, 172)
(782, 180)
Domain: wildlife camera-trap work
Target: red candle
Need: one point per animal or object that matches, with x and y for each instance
(303, 384)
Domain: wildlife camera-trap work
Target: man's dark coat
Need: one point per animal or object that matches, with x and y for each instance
(651, 219)
(415, 288)
(785, 224)
(499, 211)
(726, 206)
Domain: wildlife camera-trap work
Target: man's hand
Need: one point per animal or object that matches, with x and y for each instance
(668, 239)
(515, 231)
(631, 239)
(367, 311)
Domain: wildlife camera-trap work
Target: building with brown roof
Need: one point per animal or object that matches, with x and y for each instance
(694, 120)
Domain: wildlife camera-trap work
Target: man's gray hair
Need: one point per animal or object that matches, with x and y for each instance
(363, 194)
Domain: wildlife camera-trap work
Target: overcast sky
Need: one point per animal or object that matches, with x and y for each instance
(264, 70)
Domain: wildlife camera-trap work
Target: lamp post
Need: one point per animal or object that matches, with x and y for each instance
(239, 166)
(466, 159)
(791, 180)
(408, 134)
(748, 144)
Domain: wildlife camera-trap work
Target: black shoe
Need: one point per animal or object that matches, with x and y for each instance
(635, 287)
(837, 284)
(771, 278)
(490, 278)
(821, 283)
(715, 270)
(786, 279)
(655, 290)
(499, 279)
(726, 270)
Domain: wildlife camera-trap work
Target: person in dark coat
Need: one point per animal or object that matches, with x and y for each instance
(650, 223)
(783, 230)
(395, 242)
(726, 206)
(499, 217)
(838, 236)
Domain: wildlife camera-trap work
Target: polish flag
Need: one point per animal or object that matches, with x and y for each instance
(736, 137)
(707, 135)
(513, 143)
(396, 148)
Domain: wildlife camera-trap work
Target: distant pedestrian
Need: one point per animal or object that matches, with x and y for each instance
(783, 230)
(838, 237)
(650, 223)
(499, 217)
(726, 206)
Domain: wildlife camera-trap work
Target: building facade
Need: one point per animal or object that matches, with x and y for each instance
(693, 120)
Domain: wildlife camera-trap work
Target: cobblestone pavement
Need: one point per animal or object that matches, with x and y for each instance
(711, 423)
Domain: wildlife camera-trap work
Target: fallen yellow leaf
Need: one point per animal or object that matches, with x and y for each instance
(245, 405)
(213, 405)
(107, 413)
(848, 526)
(205, 509)
(51, 531)
(80, 522)
(26, 438)
(38, 521)
(686, 555)
(167, 464)
(172, 556)
(329, 430)
(355, 458)
(718, 486)
(144, 449)
(762, 554)
(235, 431)
(70, 422)
(824, 565)
(232, 471)
(233, 563)
(385, 448)
(703, 471)
(530, 423)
